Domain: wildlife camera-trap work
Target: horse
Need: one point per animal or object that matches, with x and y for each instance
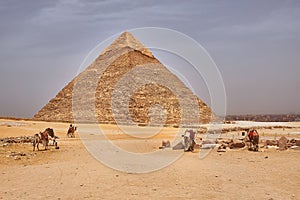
(253, 139)
(71, 131)
(40, 138)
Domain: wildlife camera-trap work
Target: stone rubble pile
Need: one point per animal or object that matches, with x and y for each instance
(22, 139)
(223, 145)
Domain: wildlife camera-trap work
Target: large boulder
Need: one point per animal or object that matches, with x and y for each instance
(282, 143)
(166, 143)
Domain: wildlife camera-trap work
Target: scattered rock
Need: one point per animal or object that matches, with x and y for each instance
(223, 146)
(272, 147)
(208, 142)
(271, 143)
(23, 139)
(17, 157)
(202, 130)
(237, 144)
(221, 150)
(166, 144)
(208, 146)
(13, 154)
(5, 144)
(295, 147)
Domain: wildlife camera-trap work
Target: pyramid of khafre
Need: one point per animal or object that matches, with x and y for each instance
(126, 84)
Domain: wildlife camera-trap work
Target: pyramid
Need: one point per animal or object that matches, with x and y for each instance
(126, 84)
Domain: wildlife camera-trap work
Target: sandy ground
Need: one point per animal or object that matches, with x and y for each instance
(71, 172)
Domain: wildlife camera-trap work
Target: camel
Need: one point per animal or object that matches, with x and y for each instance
(71, 131)
(189, 140)
(50, 132)
(253, 137)
(42, 137)
(36, 141)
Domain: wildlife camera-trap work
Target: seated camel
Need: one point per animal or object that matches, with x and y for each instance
(253, 137)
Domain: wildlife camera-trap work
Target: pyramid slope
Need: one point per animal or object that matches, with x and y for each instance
(124, 55)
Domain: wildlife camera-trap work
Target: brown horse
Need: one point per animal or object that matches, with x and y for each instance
(254, 139)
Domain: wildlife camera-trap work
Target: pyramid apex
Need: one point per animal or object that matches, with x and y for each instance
(126, 39)
(126, 33)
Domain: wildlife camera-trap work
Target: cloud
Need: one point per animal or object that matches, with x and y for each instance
(282, 22)
(79, 10)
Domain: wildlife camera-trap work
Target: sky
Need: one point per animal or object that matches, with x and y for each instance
(255, 44)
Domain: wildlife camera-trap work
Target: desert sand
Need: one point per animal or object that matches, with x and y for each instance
(71, 172)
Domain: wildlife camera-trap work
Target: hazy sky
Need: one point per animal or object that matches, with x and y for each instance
(255, 44)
